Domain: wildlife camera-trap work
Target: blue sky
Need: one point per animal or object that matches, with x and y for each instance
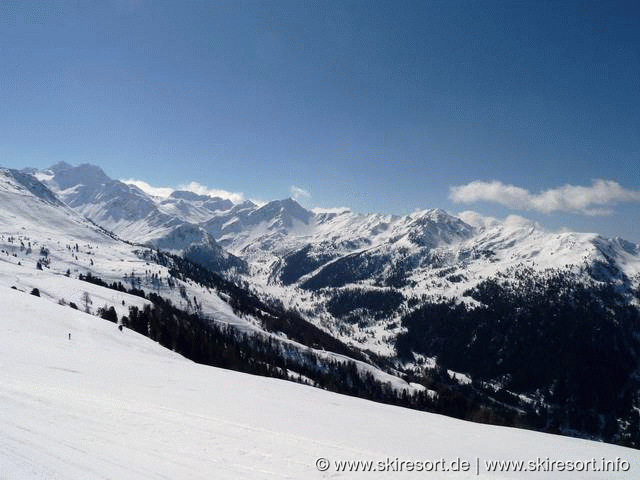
(498, 107)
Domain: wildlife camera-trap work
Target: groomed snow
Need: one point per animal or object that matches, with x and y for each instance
(111, 404)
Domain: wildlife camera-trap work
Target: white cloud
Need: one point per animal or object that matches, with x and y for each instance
(477, 220)
(297, 193)
(195, 187)
(590, 200)
(162, 192)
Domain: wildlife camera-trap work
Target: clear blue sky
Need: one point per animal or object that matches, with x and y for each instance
(380, 106)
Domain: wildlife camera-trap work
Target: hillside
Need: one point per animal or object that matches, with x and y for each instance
(112, 404)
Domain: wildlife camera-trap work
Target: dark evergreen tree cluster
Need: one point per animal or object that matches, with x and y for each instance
(108, 313)
(273, 316)
(88, 277)
(577, 345)
(348, 269)
(381, 301)
(300, 263)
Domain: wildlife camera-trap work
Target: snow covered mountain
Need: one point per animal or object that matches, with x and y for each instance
(191, 207)
(286, 245)
(135, 216)
(498, 312)
(384, 249)
(48, 248)
(308, 259)
(27, 205)
(123, 209)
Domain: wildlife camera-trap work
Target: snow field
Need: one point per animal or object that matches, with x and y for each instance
(111, 404)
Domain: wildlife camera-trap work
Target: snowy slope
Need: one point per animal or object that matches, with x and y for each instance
(111, 404)
(24, 206)
(31, 225)
(37, 229)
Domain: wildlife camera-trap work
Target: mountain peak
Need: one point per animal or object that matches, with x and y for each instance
(286, 211)
(434, 214)
(433, 226)
(60, 166)
(85, 174)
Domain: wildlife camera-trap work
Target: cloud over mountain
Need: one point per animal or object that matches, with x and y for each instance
(596, 199)
(194, 187)
(162, 192)
(297, 193)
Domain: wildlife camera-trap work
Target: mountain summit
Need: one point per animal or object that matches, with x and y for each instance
(136, 216)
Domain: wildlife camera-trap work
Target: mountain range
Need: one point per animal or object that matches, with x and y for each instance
(306, 257)
(473, 309)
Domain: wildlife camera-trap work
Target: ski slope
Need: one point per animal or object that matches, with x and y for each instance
(110, 404)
